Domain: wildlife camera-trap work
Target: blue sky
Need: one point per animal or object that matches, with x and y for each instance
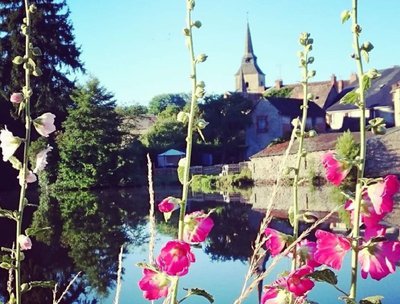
(136, 47)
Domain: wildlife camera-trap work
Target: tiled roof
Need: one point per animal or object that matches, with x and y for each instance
(292, 107)
(322, 91)
(379, 94)
(322, 142)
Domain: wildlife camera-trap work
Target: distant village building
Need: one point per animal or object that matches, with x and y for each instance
(271, 116)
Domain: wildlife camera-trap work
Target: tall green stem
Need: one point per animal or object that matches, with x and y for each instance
(24, 169)
(363, 148)
(189, 137)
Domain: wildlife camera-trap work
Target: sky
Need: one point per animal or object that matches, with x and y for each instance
(137, 50)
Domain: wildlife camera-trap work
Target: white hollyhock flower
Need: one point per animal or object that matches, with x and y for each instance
(44, 124)
(9, 143)
(41, 159)
(24, 241)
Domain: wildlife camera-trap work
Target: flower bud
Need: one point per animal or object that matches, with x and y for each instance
(201, 58)
(379, 130)
(310, 60)
(201, 124)
(18, 60)
(17, 98)
(201, 84)
(200, 92)
(373, 73)
(312, 133)
(197, 24)
(32, 8)
(24, 241)
(36, 51)
(367, 46)
(310, 96)
(311, 73)
(186, 32)
(182, 117)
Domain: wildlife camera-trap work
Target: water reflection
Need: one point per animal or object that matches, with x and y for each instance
(88, 228)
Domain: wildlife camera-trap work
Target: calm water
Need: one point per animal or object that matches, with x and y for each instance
(89, 228)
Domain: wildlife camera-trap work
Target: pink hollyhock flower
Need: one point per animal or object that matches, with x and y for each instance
(175, 258)
(331, 249)
(274, 295)
(24, 242)
(17, 98)
(334, 169)
(154, 284)
(381, 194)
(30, 178)
(305, 252)
(298, 283)
(275, 241)
(168, 204)
(368, 215)
(9, 143)
(373, 232)
(379, 259)
(197, 226)
(44, 124)
(41, 159)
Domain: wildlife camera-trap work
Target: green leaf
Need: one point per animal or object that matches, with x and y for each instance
(6, 265)
(366, 82)
(18, 60)
(43, 284)
(36, 231)
(36, 51)
(198, 292)
(325, 275)
(345, 15)
(365, 55)
(372, 300)
(350, 98)
(347, 300)
(7, 213)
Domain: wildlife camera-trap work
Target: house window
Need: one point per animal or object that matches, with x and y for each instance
(262, 124)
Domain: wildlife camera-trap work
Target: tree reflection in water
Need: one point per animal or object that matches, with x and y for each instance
(87, 231)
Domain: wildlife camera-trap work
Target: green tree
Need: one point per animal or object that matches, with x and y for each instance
(160, 102)
(228, 118)
(51, 31)
(90, 143)
(166, 133)
(282, 92)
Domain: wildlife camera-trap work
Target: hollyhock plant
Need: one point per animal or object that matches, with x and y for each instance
(334, 169)
(9, 143)
(298, 283)
(154, 284)
(44, 124)
(175, 258)
(331, 249)
(381, 194)
(379, 259)
(17, 98)
(41, 159)
(275, 241)
(197, 226)
(24, 241)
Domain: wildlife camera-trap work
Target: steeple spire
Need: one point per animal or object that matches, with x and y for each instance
(248, 48)
(249, 72)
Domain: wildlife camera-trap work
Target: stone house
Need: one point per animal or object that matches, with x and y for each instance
(380, 102)
(272, 117)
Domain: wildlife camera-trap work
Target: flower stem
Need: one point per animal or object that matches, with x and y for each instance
(24, 169)
(361, 166)
(189, 137)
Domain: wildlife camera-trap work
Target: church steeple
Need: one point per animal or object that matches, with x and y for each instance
(249, 72)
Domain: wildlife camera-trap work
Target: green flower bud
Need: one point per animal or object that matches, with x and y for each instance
(310, 60)
(24, 29)
(201, 124)
(310, 96)
(201, 58)
(32, 8)
(182, 117)
(37, 72)
(201, 84)
(367, 46)
(36, 51)
(197, 24)
(200, 92)
(186, 32)
(310, 41)
(191, 4)
(312, 133)
(18, 60)
(373, 73)
(311, 74)
(379, 130)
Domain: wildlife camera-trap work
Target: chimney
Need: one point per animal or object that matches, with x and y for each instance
(353, 78)
(278, 84)
(396, 103)
(333, 79)
(340, 85)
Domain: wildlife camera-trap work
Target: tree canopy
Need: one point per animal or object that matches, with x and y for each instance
(160, 102)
